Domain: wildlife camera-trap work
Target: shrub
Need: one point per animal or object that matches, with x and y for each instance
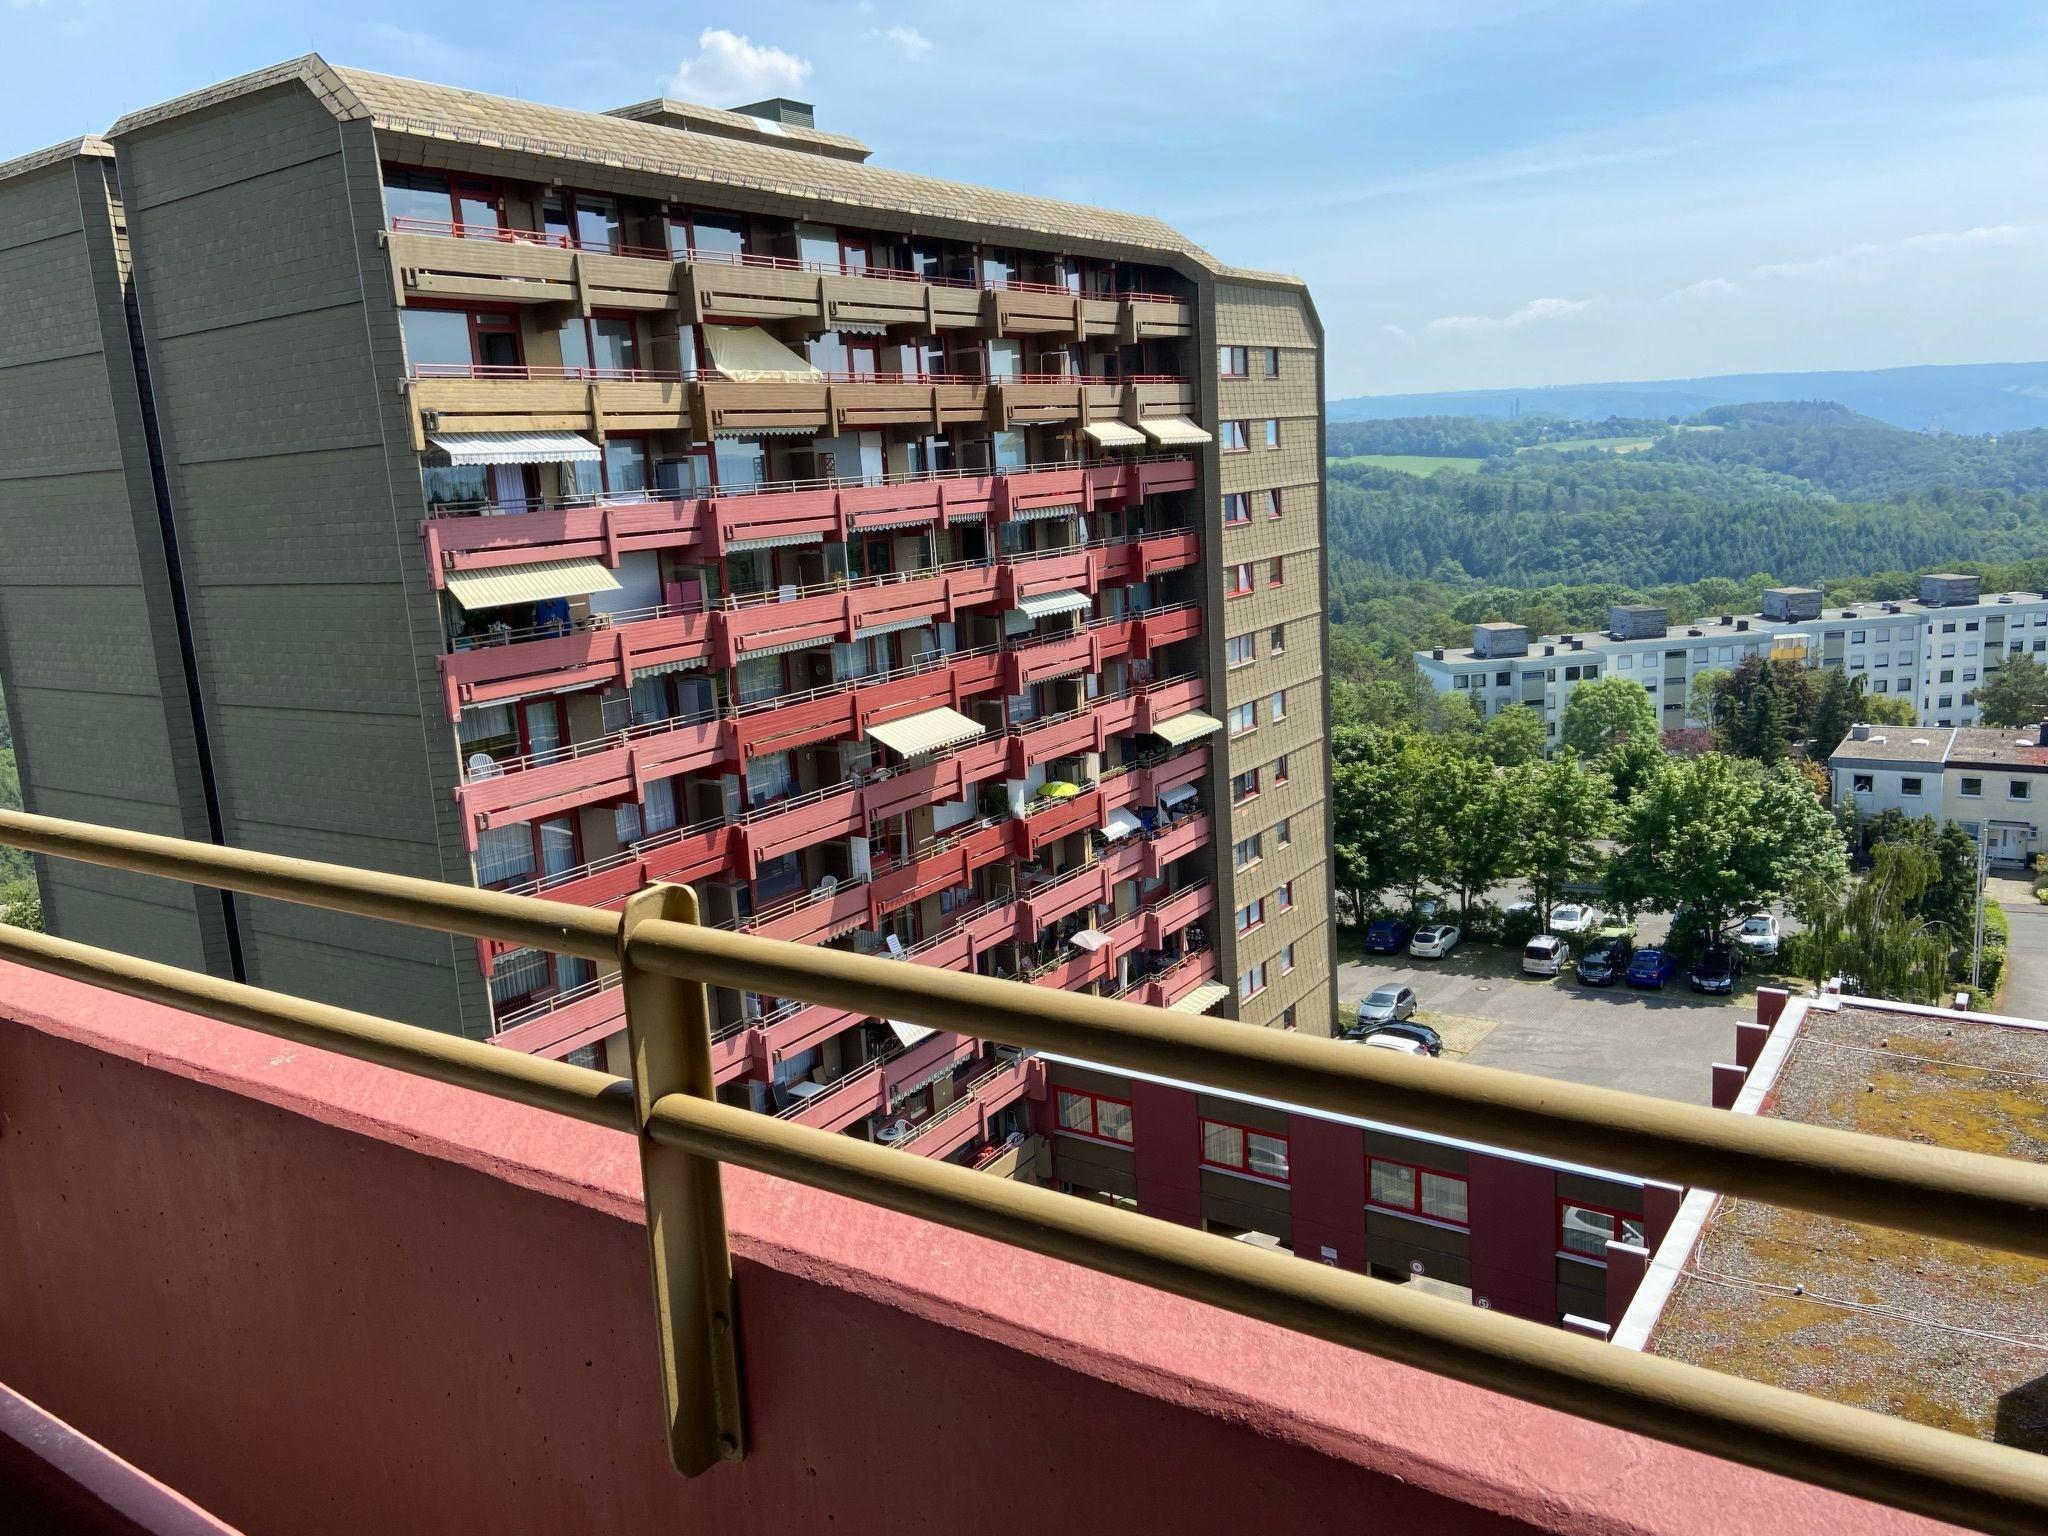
(1991, 970)
(1518, 928)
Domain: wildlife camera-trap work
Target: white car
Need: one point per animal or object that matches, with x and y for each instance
(1399, 1043)
(1434, 942)
(1758, 934)
(1573, 919)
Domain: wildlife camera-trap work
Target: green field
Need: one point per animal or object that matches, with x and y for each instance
(1606, 444)
(1413, 463)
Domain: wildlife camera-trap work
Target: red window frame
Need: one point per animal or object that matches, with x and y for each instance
(1280, 769)
(1233, 362)
(1414, 1206)
(1242, 582)
(1243, 435)
(1276, 574)
(460, 183)
(1265, 980)
(1244, 1148)
(1620, 1217)
(570, 239)
(1257, 907)
(1269, 362)
(1283, 897)
(540, 863)
(1249, 794)
(1095, 1101)
(1272, 505)
(1241, 502)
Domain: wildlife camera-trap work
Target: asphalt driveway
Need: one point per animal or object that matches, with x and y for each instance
(2026, 957)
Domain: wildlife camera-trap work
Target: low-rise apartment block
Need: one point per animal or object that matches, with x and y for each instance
(566, 501)
(1982, 780)
(1936, 650)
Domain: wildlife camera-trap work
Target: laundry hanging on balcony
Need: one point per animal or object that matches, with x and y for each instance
(537, 583)
(464, 448)
(746, 354)
(1173, 431)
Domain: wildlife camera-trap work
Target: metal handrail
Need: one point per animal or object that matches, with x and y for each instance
(668, 963)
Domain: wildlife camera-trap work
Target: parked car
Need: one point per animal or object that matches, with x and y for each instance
(1386, 936)
(1716, 970)
(1573, 918)
(1415, 1039)
(1605, 959)
(1758, 934)
(1434, 942)
(1546, 955)
(1387, 1005)
(1427, 908)
(1651, 967)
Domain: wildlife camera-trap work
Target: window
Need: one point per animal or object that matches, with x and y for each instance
(1245, 786)
(1269, 362)
(1277, 574)
(1909, 786)
(2018, 789)
(1251, 983)
(1270, 501)
(1272, 430)
(1093, 1114)
(1235, 436)
(1970, 789)
(1276, 642)
(582, 220)
(1251, 915)
(707, 236)
(1244, 718)
(1237, 510)
(1287, 960)
(456, 342)
(504, 854)
(1586, 1230)
(1240, 581)
(1239, 1149)
(1419, 1191)
(1233, 362)
(1238, 651)
(1280, 770)
(1287, 1017)
(1276, 706)
(438, 203)
(1283, 834)
(1283, 899)
(1246, 853)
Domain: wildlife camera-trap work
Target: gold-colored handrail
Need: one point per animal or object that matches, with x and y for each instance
(1988, 1200)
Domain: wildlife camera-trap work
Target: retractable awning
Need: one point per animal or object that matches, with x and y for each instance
(910, 1034)
(1044, 605)
(1172, 431)
(1040, 514)
(894, 626)
(663, 668)
(1178, 796)
(1202, 999)
(748, 653)
(530, 583)
(1185, 728)
(773, 541)
(1114, 434)
(932, 731)
(1121, 824)
(1090, 939)
(749, 355)
(516, 448)
(879, 520)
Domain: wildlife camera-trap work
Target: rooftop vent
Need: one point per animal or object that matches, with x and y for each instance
(1742, 624)
(1436, 653)
(1727, 618)
(1859, 733)
(781, 109)
(1696, 632)
(1921, 741)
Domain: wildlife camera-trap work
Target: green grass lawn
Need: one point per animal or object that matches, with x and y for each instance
(1424, 464)
(1606, 444)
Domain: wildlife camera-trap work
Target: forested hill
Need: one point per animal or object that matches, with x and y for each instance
(1802, 491)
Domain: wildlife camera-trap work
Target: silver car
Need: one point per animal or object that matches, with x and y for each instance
(1387, 1005)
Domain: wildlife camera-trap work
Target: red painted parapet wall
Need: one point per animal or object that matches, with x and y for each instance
(323, 1298)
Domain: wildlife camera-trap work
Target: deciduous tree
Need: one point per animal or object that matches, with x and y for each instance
(1600, 715)
(1564, 809)
(2016, 694)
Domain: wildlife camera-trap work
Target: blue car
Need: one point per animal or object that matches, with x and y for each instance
(1387, 936)
(1651, 967)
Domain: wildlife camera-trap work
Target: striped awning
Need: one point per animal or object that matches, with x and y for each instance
(749, 652)
(910, 1034)
(664, 668)
(530, 583)
(1173, 431)
(1045, 604)
(1090, 939)
(894, 626)
(773, 541)
(740, 434)
(1114, 434)
(1039, 514)
(1121, 824)
(516, 447)
(749, 355)
(932, 731)
(1187, 727)
(1202, 999)
(869, 524)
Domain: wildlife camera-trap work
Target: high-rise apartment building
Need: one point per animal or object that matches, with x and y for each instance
(563, 501)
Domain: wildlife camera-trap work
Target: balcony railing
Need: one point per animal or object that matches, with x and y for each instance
(684, 1134)
(542, 373)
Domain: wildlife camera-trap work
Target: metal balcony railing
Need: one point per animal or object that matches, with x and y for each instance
(668, 961)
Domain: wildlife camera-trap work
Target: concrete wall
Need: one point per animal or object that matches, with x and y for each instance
(275, 352)
(103, 731)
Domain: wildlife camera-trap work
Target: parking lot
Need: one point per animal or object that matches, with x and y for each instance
(1662, 1043)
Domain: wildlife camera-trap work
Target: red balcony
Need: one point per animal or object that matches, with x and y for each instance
(567, 1023)
(876, 1088)
(597, 655)
(1175, 842)
(1167, 916)
(610, 768)
(966, 1120)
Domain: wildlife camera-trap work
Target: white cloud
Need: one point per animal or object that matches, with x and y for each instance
(731, 69)
(1535, 312)
(1950, 242)
(1705, 288)
(910, 42)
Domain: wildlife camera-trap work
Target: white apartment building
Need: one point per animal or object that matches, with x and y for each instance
(1979, 779)
(1936, 649)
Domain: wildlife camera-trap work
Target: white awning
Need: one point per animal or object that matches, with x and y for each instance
(1090, 939)
(742, 433)
(1172, 431)
(773, 541)
(663, 668)
(516, 448)
(967, 516)
(530, 583)
(1179, 795)
(1044, 605)
(748, 653)
(1121, 824)
(1040, 514)
(1202, 999)
(910, 1034)
(881, 520)
(894, 626)
(1185, 728)
(1114, 434)
(749, 355)
(932, 731)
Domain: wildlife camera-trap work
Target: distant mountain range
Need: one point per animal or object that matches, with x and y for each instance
(1969, 397)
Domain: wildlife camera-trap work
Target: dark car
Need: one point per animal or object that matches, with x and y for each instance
(1604, 961)
(1387, 936)
(1716, 970)
(1431, 1042)
(1651, 967)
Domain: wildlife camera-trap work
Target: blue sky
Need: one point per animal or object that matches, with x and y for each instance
(1480, 195)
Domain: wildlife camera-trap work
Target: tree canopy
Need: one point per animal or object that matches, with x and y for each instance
(1601, 715)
